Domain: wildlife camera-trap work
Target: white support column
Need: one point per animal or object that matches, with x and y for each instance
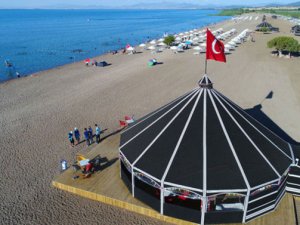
(246, 205)
(132, 181)
(292, 153)
(203, 210)
(120, 167)
(162, 198)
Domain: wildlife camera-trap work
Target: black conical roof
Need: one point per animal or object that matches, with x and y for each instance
(202, 140)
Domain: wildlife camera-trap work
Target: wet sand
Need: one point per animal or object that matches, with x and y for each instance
(36, 114)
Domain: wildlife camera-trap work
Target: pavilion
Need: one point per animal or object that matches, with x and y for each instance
(202, 158)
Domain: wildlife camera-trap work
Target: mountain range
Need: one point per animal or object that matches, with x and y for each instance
(167, 4)
(294, 4)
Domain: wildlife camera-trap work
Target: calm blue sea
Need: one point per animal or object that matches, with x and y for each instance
(35, 40)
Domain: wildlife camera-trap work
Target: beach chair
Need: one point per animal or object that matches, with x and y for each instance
(129, 119)
(179, 50)
(123, 124)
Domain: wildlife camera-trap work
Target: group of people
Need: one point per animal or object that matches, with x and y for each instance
(74, 136)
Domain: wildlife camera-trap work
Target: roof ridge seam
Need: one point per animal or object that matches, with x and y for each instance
(180, 138)
(163, 130)
(230, 143)
(160, 109)
(204, 175)
(182, 100)
(227, 102)
(248, 137)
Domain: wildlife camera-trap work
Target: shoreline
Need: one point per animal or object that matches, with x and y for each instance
(37, 115)
(38, 73)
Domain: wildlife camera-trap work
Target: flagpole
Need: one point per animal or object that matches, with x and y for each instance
(205, 66)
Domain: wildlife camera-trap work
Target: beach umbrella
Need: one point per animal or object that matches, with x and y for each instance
(88, 60)
(130, 49)
(237, 41)
(227, 51)
(142, 45)
(178, 39)
(232, 43)
(153, 42)
(181, 34)
(196, 39)
(151, 47)
(230, 47)
(128, 46)
(161, 44)
(197, 48)
(161, 40)
(203, 45)
(173, 48)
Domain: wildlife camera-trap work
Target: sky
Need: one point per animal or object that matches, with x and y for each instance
(118, 3)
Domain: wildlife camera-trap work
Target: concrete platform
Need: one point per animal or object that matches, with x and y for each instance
(107, 187)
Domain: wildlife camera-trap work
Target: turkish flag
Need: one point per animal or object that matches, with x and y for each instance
(214, 48)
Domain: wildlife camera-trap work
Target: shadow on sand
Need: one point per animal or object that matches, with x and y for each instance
(257, 113)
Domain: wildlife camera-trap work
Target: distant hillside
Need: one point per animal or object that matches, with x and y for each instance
(296, 4)
(273, 5)
(163, 5)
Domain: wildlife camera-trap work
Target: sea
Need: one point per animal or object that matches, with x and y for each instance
(36, 40)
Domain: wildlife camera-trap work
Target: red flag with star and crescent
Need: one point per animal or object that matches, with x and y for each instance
(214, 48)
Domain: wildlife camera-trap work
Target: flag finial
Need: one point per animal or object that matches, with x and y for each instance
(205, 82)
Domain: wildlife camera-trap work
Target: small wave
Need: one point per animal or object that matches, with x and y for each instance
(77, 51)
(22, 53)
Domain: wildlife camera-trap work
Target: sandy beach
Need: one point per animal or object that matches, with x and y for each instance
(37, 112)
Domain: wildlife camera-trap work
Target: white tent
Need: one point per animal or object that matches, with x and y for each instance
(130, 49)
(229, 47)
(161, 44)
(151, 47)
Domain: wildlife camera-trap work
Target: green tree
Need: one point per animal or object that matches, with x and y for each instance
(282, 43)
(264, 29)
(169, 40)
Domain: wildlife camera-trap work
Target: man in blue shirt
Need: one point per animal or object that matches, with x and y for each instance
(71, 139)
(91, 135)
(98, 132)
(77, 135)
(86, 136)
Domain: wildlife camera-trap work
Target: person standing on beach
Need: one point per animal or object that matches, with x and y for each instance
(86, 136)
(91, 135)
(98, 132)
(77, 135)
(71, 139)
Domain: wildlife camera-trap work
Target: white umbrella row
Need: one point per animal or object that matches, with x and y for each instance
(233, 43)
